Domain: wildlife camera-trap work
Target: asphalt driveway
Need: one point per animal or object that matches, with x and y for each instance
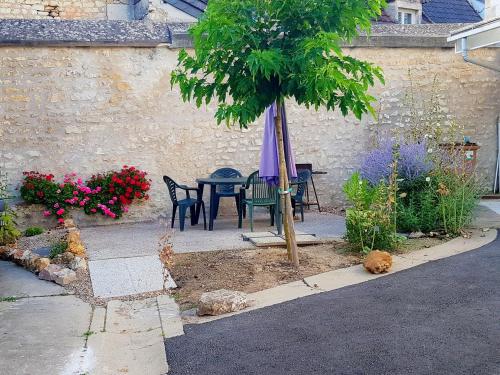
(442, 317)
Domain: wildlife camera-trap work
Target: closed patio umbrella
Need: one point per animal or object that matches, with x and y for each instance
(269, 161)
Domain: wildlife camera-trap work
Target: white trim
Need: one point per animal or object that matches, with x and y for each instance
(474, 29)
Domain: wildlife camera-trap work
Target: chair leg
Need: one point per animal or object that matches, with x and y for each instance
(251, 217)
(271, 211)
(302, 211)
(240, 215)
(244, 206)
(174, 210)
(204, 216)
(182, 216)
(216, 205)
(238, 208)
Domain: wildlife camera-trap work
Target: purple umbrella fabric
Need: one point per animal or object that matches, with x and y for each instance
(269, 162)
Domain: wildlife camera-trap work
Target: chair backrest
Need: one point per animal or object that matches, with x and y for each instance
(262, 192)
(302, 177)
(171, 186)
(226, 173)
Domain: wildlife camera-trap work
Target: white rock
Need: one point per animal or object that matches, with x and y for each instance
(221, 301)
(78, 263)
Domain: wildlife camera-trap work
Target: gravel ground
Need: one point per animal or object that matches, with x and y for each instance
(45, 239)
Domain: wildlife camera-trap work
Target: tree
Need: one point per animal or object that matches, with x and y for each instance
(251, 53)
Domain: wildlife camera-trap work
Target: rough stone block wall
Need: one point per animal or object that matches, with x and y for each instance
(53, 9)
(93, 109)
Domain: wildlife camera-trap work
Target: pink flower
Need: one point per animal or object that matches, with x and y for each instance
(93, 210)
(58, 191)
(60, 220)
(111, 201)
(56, 205)
(75, 193)
(125, 209)
(60, 211)
(115, 198)
(82, 203)
(46, 213)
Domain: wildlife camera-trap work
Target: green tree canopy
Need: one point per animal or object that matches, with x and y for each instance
(250, 53)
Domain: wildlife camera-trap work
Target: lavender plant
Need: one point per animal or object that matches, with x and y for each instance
(413, 161)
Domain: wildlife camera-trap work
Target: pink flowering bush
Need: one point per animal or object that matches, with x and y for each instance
(109, 193)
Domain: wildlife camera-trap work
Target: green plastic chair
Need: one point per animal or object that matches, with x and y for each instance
(262, 195)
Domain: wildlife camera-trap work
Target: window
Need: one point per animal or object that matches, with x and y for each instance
(405, 18)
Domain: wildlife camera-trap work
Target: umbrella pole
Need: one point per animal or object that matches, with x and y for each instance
(286, 202)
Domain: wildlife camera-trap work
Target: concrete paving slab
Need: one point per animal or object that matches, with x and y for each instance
(306, 239)
(122, 240)
(170, 317)
(132, 342)
(40, 335)
(249, 235)
(132, 316)
(15, 281)
(132, 353)
(487, 214)
(268, 241)
(126, 276)
(492, 204)
(98, 320)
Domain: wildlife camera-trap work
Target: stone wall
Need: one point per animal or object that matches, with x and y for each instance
(53, 9)
(93, 109)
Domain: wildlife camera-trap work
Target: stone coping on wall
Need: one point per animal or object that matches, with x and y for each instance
(77, 33)
(149, 34)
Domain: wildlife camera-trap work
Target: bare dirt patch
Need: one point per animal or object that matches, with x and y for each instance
(252, 270)
(258, 269)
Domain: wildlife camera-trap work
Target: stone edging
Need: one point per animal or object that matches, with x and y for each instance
(43, 267)
(340, 278)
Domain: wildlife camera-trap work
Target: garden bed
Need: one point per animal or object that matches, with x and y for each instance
(254, 270)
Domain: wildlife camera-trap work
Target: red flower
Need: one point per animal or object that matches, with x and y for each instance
(137, 194)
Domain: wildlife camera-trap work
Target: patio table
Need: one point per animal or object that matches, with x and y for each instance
(213, 182)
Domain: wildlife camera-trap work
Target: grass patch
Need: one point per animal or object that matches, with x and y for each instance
(88, 334)
(57, 249)
(33, 231)
(8, 299)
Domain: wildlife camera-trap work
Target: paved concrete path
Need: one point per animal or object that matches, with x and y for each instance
(44, 331)
(437, 318)
(123, 258)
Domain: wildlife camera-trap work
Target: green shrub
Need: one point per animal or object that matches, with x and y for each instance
(370, 222)
(58, 248)
(458, 196)
(33, 231)
(8, 231)
(417, 208)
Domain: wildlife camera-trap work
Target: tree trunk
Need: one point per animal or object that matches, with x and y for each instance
(286, 201)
